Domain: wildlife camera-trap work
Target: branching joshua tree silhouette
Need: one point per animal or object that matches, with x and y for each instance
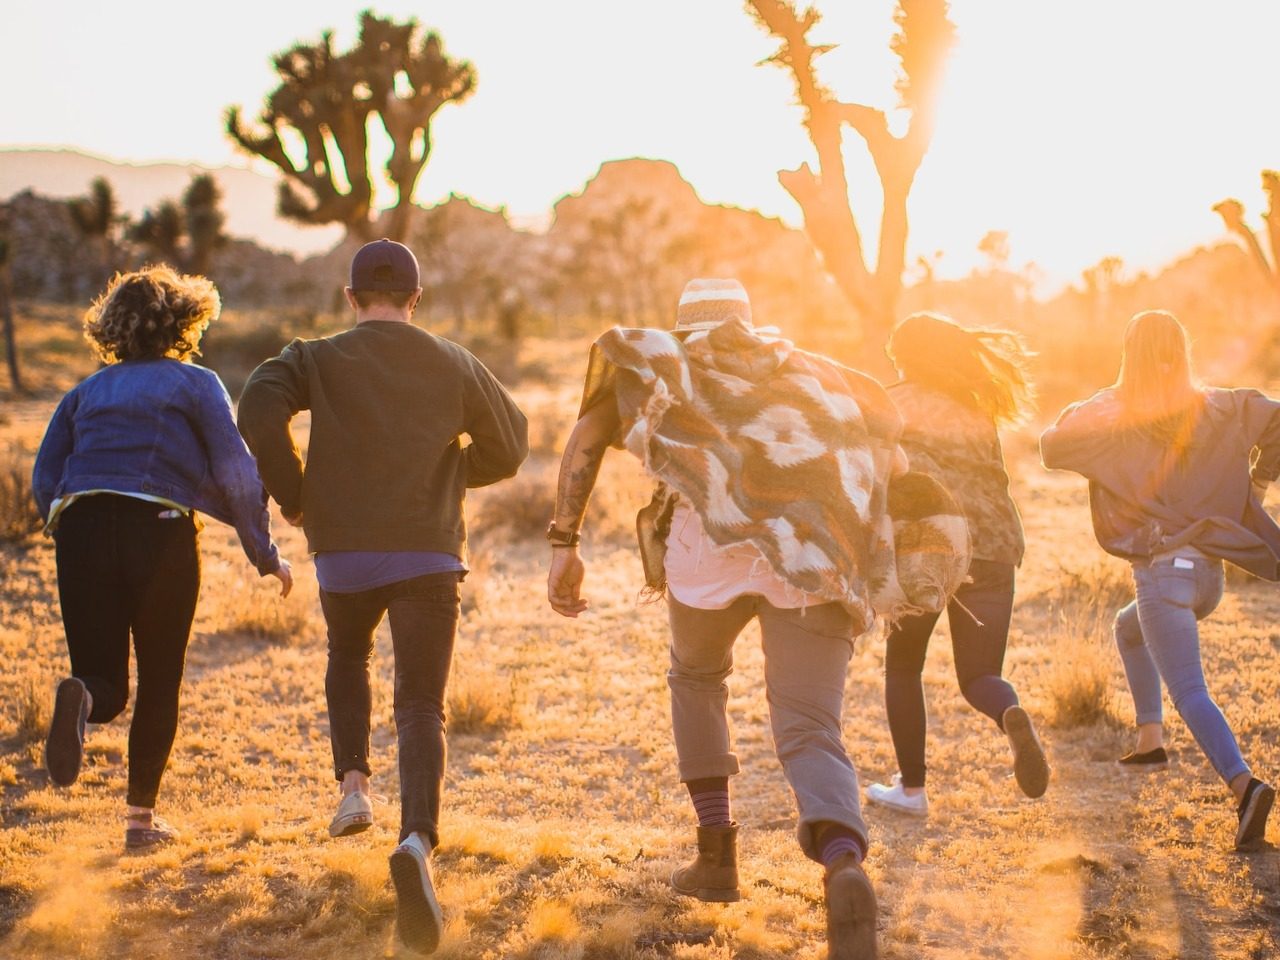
(6, 310)
(184, 234)
(922, 44)
(97, 218)
(325, 100)
(1232, 213)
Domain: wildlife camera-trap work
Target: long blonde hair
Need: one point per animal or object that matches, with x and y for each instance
(1157, 390)
(985, 368)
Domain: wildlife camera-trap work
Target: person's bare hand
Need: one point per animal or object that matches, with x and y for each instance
(564, 582)
(284, 573)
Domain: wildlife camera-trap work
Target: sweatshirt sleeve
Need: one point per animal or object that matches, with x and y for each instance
(1082, 438)
(499, 431)
(51, 460)
(236, 476)
(273, 395)
(1261, 418)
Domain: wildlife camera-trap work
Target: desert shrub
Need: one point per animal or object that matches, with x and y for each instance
(245, 605)
(32, 706)
(1081, 682)
(479, 708)
(232, 349)
(18, 515)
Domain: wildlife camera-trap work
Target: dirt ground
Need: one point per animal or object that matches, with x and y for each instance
(563, 814)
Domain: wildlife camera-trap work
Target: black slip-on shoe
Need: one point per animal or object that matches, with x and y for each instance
(1252, 813)
(1156, 759)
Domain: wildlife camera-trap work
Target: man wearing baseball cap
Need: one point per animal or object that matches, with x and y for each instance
(381, 502)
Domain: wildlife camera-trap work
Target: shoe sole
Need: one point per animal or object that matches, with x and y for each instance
(851, 917)
(707, 894)
(418, 919)
(64, 748)
(351, 825)
(1030, 768)
(144, 843)
(1253, 825)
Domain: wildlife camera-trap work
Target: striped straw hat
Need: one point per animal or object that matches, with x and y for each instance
(706, 304)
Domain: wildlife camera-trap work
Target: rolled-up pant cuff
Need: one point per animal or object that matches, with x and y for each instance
(850, 817)
(340, 770)
(1156, 716)
(725, 765)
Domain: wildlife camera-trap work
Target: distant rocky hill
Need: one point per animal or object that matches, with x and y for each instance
(249, 198)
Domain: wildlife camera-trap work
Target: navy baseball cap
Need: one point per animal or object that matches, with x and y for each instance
(385, 265)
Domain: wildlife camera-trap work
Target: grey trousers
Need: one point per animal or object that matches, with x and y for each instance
(806, 658)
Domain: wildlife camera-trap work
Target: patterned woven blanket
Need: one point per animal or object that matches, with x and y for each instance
(771, 445)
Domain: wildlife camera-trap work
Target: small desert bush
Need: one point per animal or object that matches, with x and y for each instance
(32, 707)
(481, 707)
(1081, 679)
(246, 605)
(18, 515)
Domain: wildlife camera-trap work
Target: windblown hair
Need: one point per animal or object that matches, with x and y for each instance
(151, 313)
(1156, 387)
(985, 369)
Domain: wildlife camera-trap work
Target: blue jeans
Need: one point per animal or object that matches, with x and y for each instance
(1159, 640)
(424, 622)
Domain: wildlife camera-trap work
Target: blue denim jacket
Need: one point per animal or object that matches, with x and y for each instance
(161, 428)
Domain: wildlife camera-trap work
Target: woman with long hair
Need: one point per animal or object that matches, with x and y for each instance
(130, 454)
(957, 387)
(1177, 472)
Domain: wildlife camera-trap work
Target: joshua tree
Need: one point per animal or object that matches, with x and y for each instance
(922, 44)
(6, 310)
(184, 234)
(326, 99)
(97, 216)
(1232, 213)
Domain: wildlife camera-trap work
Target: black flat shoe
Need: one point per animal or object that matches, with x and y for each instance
(1252, 813)
(1155, 759)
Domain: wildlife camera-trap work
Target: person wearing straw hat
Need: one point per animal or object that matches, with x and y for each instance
(772, 466)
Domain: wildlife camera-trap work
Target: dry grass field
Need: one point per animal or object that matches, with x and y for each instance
(563, 815)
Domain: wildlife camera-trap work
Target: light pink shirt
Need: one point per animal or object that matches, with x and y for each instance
(704, 575)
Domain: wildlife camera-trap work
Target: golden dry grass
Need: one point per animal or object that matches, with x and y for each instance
(563, 815)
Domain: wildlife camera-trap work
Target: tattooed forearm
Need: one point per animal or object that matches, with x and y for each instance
(580, 466)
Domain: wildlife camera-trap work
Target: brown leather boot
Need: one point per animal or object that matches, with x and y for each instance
(713, 875)
(851, 911)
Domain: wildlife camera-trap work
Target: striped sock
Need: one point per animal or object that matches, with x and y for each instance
(710, 798)
(837, 841)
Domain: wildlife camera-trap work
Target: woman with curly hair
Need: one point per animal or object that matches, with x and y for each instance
(957, 387)
(131, 454)
(1177, 472)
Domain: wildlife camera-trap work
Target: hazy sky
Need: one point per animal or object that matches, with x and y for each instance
(1084, 129)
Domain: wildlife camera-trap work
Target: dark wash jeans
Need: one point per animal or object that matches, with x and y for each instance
(424, 620)
(123, 569)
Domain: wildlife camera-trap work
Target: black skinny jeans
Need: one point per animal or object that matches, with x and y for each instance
(123, 569)
(424, 621)
(979, 616)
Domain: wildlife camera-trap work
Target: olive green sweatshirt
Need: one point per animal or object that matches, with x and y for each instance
(386, 468)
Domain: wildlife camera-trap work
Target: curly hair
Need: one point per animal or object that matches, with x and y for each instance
(151, 313)
(986, 369)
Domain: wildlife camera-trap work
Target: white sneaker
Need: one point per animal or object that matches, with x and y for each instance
(418, 917)
(893, 797)
(355, 814)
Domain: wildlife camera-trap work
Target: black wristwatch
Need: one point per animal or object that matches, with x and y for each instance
(562, 538)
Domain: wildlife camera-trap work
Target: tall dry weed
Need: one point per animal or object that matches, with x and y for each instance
(32, 706)
(18, 515)
(1081, 678)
